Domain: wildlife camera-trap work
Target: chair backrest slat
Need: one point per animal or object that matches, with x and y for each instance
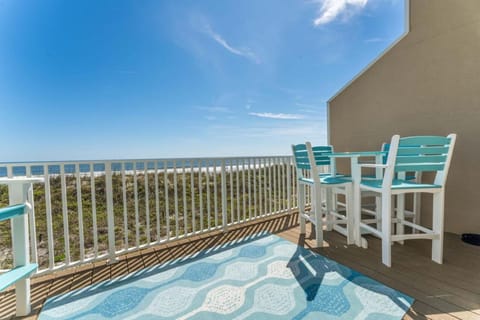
(425, 150)
(416, 141)
(419, 154)
(422, 153)
(320, 155)
(300, 155)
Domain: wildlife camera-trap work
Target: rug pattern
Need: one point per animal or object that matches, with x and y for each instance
(264, 277)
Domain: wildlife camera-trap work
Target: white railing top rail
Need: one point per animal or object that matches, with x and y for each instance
(58, 162)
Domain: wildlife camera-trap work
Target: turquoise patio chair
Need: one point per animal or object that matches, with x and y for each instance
(410, 154)
(309, 162)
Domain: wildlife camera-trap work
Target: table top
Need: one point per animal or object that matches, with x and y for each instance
(356, 154)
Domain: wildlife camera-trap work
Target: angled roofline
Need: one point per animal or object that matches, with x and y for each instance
(368, 66)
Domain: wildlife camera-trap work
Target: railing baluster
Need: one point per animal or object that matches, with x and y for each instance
(147, 201)
(260, 190)
(135, 195)
(232, 212)
(255, 203)
(184, 192)
(265, 186)
(224, 197)
(209, 210)
(167, 210)
(200, 191)
(48, 209)
(94, 209)
(80, 212)
(279, 184)
(125, 212)
(175, 191)
(284, 195)
(249, 190)
(157, 201)
(289, 187)
(66, 231)
(192, 188)
(215, 196)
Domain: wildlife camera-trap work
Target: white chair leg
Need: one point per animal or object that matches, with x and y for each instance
(330, 207)
(378, 211)
(417, 203)
(301, 207)
(386, 229)
(349, 213)
(438, 220)
(318, 218)
(400, 215)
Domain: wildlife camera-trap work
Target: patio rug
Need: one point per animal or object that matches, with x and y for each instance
(259, 277)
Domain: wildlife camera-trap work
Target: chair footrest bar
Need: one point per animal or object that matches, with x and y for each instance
(338, 215)
(369, 221)
(401, 237)
(372, 230)
(368, 211)
(417, 227)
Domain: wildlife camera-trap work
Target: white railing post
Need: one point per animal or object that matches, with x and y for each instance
(289, 186)
(224, 198)
(110, 217)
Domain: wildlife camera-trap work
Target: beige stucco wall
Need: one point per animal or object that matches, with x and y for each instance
(429, 83)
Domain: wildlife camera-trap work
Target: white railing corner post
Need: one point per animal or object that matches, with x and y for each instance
(110, 214)
(224, 198)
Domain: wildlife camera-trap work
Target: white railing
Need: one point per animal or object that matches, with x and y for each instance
(91, 210)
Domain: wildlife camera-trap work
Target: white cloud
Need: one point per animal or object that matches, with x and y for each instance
(243, 52)
(214, 109)
(282, 116)
(331, 9)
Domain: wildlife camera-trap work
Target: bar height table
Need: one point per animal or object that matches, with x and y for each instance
(356, 179)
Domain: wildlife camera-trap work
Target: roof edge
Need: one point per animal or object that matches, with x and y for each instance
(405, 32)
(368, 66)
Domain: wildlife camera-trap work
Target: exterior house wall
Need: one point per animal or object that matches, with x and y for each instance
(427, 84)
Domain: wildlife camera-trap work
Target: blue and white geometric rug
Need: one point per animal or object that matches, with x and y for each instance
(260, 277)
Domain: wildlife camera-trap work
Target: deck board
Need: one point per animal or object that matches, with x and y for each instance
(448, 291)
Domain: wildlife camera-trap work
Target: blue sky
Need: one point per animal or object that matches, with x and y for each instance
(152, 79)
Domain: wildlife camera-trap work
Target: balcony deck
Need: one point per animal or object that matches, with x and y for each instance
(448, 291)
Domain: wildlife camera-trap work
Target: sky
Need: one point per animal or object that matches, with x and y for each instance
(118, 79)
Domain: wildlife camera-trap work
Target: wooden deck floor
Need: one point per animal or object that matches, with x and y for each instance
(448, 291)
